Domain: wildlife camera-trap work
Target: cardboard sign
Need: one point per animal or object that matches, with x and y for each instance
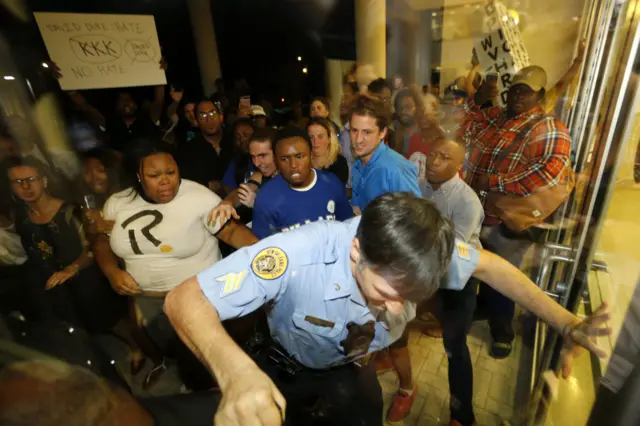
(100, 51)
(501, 51)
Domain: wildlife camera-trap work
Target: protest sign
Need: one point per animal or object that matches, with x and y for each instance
(502, 51)
(100, 51)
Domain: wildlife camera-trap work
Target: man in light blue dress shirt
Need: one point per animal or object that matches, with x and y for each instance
(377, 169)
(334, 292)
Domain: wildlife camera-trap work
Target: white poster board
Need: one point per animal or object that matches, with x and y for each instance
(501, 51)
(95, 51)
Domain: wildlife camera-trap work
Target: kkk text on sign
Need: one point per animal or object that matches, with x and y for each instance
(101, 51)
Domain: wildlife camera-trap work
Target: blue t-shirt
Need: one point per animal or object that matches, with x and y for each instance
(229, 178)
(278, 207)
(386, 171)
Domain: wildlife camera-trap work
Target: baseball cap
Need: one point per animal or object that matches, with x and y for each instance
(533, 76)
(257, 111)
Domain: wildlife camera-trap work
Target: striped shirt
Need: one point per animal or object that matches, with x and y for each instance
(536, 163)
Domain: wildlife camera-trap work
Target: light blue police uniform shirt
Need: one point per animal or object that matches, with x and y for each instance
(304, 276)
(386, 171)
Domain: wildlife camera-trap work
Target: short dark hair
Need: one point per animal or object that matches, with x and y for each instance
(109, 161)
(215, 105)
(263, 135)
(415, 94)
(324, 101)
(290, 132)
(372, 106)
(405, 239)
(378, 85)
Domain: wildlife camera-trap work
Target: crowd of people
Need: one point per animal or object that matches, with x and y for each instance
(334, 233)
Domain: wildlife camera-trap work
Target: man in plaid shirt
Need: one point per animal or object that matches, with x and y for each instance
(542, 152)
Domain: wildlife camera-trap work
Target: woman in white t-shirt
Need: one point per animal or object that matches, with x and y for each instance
(161, 232)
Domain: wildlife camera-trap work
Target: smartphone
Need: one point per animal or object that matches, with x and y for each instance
(245, 102)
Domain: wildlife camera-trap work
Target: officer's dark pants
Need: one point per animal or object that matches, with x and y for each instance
(455, 314)
(498, 308)
(348, 395)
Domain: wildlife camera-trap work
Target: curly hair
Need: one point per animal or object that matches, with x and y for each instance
(371, 106)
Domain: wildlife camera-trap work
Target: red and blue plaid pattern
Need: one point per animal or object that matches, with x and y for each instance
(537, 163)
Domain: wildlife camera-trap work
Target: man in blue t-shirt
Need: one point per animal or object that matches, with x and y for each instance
(299, 194)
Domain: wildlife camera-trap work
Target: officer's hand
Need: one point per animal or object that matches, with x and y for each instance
(123, 283)
(224, 211)
(251, 400)
(580, 336)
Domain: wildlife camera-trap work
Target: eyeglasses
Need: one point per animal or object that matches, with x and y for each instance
(205, 115)
(29, 180)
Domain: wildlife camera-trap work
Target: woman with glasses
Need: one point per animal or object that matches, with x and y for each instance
(64, 284)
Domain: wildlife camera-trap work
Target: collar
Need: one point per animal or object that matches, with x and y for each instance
(310, 186)
(380, 151)
(448, 186)
(341, 282)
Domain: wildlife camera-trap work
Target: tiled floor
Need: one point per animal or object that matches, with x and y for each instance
(500, 392)
(499, 389)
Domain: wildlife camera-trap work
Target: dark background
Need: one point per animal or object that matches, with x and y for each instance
(258, 40)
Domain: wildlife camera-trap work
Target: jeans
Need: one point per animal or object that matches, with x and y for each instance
(456, 315)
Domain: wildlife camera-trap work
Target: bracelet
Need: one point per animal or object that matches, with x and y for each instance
(566, 332)
(254, 182)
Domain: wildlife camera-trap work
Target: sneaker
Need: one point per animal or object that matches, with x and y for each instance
(401, 405)
(500, 350)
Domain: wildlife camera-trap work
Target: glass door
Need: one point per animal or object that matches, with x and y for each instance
(592, 258)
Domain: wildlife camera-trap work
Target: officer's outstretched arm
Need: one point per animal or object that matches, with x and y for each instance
(249, 396)
(511, 282)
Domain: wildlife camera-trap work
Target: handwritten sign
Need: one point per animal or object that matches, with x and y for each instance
(501, 51)
(100, 51)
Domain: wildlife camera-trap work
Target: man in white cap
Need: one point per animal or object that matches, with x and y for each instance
(516, 151)
(258, 116)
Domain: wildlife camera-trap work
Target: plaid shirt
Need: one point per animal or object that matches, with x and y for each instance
(537, 163)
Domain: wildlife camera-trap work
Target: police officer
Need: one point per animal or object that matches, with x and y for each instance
(335, 292)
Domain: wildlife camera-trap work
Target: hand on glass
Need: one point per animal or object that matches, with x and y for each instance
(246, 195)
(580, 336)
(223, 211)
(61, 277)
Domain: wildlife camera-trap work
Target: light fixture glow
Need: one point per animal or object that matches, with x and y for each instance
(299, 58)
(305, 70)
(9, 77)
(45, 65)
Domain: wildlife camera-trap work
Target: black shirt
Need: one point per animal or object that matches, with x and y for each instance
(120, 135)
(340, 168)
(199, 161)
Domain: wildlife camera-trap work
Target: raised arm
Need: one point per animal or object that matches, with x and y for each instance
(511, 282)
(249, 396)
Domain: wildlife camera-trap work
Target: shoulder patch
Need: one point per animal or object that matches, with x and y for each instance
(232, 283)
(270, 263)
(463, 250)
